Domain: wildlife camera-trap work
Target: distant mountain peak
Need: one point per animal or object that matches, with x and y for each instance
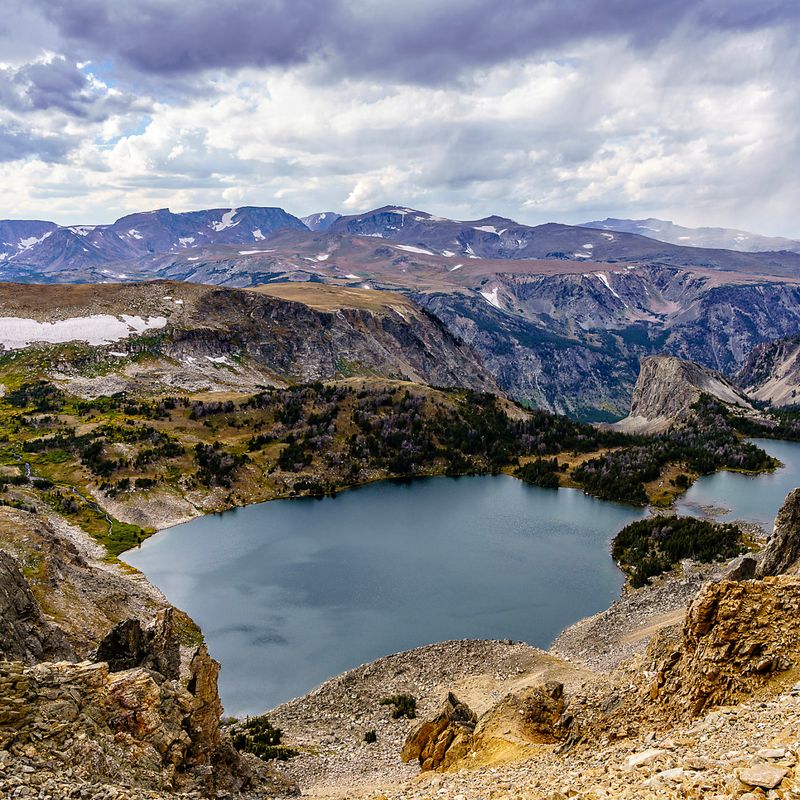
(714, 238)
(320, 221)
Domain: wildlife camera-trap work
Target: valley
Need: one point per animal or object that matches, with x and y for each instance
(138, 405)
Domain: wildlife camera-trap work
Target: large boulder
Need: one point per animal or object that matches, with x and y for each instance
(531, 716)
(442, 740)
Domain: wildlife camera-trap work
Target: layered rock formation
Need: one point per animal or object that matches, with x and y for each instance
(213, 338)
(667, 388)
(736, 637)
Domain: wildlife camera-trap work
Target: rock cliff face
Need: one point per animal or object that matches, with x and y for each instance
(667, 388)
(771, 373)
(25, 635)
(736, 637)
(212, 338)
(782, 553)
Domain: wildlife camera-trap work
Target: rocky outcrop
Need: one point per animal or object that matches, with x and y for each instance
(133, 727)
(771, 372)
(25, 635)
(667, 388)
(782, 553)
(737, 636)
(532, 716)
(441, 741)
(128, 644)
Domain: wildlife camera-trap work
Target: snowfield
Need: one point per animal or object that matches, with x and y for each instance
(226, 221)
(409, 249)
(491, 298)
(98, 329)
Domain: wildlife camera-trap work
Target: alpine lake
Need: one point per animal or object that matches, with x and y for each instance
(291, 592)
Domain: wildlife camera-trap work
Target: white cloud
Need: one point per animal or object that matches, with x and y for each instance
(704, 133)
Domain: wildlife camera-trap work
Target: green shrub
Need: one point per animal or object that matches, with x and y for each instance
(257, 736)
(404, 705)
(370, 737)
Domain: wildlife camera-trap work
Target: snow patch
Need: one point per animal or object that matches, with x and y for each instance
(258, 236)
(609, 236)
(409, 249)
(491, 298)
(82, 230)
(471, 252)
(134, 234)
(603, 278)
(582, 255)
(252, 252)
(226, 221)
(588, 246)
(323, 256)
(457, 266)
(97, 329)
(26, 244)
(448, 253)
(353, 277)
(486, 229)
(193, 258)
(186, 240)
(219, 360)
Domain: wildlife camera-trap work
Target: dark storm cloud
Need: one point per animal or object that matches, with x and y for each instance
(17, 144)
(60, 86)
(417, 41)
(168, 37)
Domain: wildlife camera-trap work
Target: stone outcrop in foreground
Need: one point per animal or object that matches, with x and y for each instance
(736, 637)
(533, 716)
(143, 713)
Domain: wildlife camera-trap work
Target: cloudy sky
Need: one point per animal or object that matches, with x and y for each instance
(540, 110)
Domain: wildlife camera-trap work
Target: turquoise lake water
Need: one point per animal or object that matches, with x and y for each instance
(292, 592)
(755, 498)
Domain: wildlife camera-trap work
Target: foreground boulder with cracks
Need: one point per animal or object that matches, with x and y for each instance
(533, 716)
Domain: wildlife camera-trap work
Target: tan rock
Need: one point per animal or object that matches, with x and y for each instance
(442, 740)
(765, 776)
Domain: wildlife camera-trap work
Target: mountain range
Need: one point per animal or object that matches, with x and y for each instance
(726, 238)
(560, 315)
